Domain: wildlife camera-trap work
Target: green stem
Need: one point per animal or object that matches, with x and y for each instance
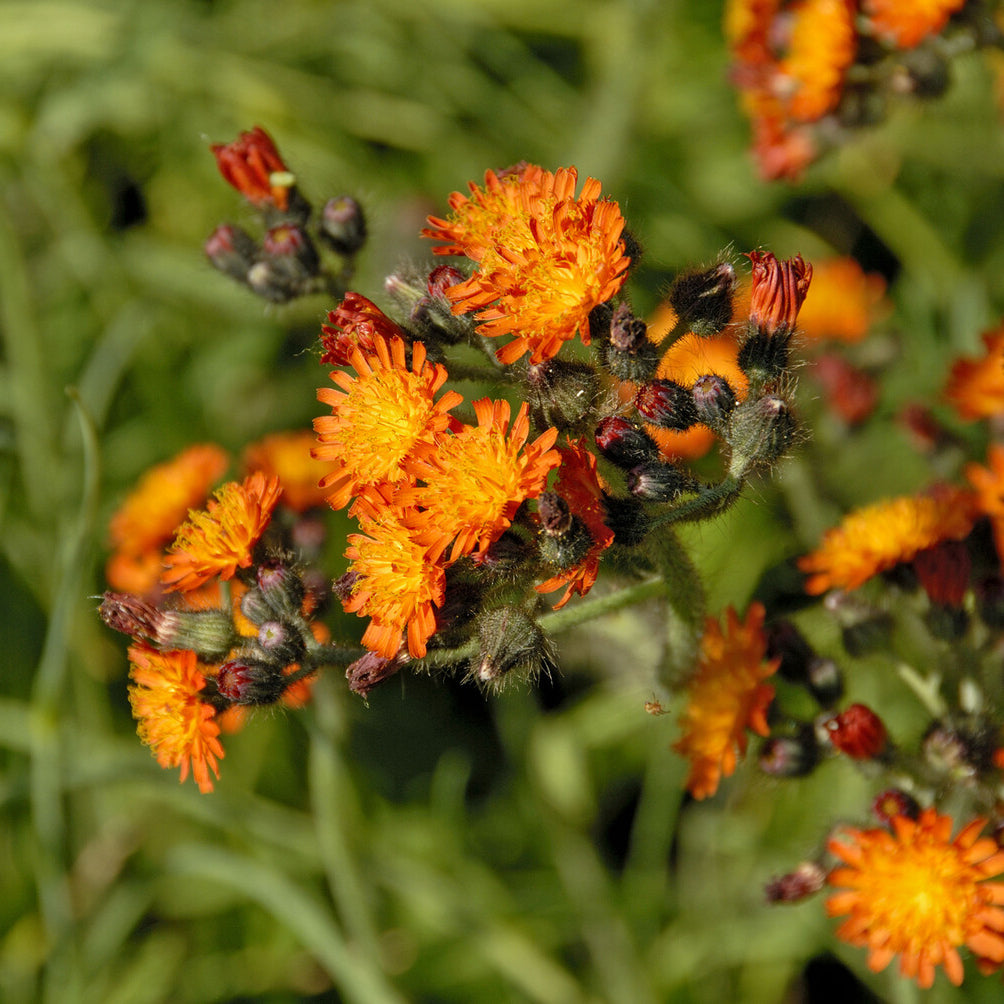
(925, 687)
(712, 500)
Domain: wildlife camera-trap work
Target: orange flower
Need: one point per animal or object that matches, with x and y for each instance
(174, 721)
(906, 23)
(221, 539)
(147, 519)
(821, 47)
(395, 582)
(579, 485)
(879, 536)
(378, 417)
(920, 895)
(476, 479)
(545, 257)
(976, 386)
(687, 359)
(727, 696)
(287, 456)
(989, 485)
(252, 165)
(843, 301)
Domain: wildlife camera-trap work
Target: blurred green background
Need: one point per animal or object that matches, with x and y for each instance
(437, 845)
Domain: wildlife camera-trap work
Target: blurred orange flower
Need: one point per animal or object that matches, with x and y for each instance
(975, 386)
(843, 301)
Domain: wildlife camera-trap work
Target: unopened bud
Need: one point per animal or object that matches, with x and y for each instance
(511, 643)
(714, 401)
(659, 481)
(353, 324)
(624, 443)
(789, 756)
(857, 732)
(894, 802)
(281, 642)
(786, 642)
(372, 669)
(804, 881)
(761, 431)
(990, 601)
(627, 519)
(825, 680)
(863, 628)
(562, 393)
(963, 748)
(250, 681)
(343, 226)
(564, 539)
(764, 357)
(625, 348)
(666, 404)
(290, 256)
(281, 587)
(778, 291)
(703, 299)
(231, 251)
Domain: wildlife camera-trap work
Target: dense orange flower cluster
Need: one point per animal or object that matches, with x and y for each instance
(545, 257)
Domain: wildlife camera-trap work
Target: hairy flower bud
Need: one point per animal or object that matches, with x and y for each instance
(659, 481)
(786, 642)
(624, 443)
(564, 539)
(372, 669)
(825, 680)
(778, 291)
(511, 643)
(562, 393)
(626, 518)
(232, 251)
(250, 681)
(666, 404)
(281, 642)
(703, 299)
(764, 357)
(894, 802)
(857, 732)
(793, 755)
(806, 879)
(343, 225)
(625, 348)
(760, 432)
(281, 586)
(353, 324)
(287, 265)
(714, 401)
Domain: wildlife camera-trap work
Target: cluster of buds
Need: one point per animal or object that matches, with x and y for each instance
(810, 73)
(287, 262)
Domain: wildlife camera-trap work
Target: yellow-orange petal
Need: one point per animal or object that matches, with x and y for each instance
(287, 456)
(975, 387)
(174, 721)
(906, 23)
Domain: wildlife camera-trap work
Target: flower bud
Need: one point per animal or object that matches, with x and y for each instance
(659, 481)
(789, 756)
(343, 226)
(281, 587)
(561, 393)
(511, 643)
(353, 324)
(252, 165)
(857, 732)
(894, 802)
(703, 299)
(863, 628)
(786, 642)
(666, 404)
(625, 348)
(281, 642)
(625, 444)
(250, 681)
(943, 571)
(990, 601)
(825, 680)
(564, 539)
(714, 401)
(963, 748)
(287, 264)
(764, 357)
(626, 519)
(208, 633)
(232, 251)
(372, 669)
(760, 432)
(806, 879)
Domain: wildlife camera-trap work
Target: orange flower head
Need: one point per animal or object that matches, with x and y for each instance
(174, 721)
(919, 894)
(287, 456)
(476, 479)
(843, 301)
(879, 536)
(579, 485)
(394, 580)
(147, 519)
(221, 539)
(545, 257)
(906, 23)
(976, 386)
(821, 47)
(252, 165)
(354, 324)
(727, 696)
(379, 417)
(989, 485)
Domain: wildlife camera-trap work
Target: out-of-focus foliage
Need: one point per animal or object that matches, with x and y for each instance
(437, 844)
